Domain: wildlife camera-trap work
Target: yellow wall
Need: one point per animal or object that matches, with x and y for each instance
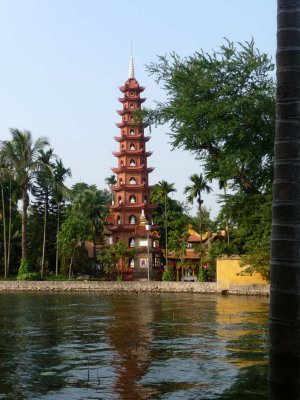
(227, 274)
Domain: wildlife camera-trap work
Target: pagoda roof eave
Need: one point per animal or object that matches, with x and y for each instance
(126, 86)
(132, 169)
(127, 98)
(130, 187)
(132, 206)
(131, 123)
(127, 110)
(131, 137)
(132, 152)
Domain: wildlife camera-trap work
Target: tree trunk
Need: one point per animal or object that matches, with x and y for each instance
(284, 356)
(25, 201)
(166, 230)
(71, 263)
(44, 238)
(4, 232)
(200, 232)
(9, 228)
(57, 232)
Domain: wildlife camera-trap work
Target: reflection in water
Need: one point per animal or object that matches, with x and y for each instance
(131, 335)
(132, 346)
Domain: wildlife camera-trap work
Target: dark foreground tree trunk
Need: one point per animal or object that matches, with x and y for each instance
(284, 359)
(25, 201)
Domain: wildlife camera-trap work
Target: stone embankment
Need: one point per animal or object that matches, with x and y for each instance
(136, 286)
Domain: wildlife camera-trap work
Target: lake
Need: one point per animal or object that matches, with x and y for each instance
(132, 346)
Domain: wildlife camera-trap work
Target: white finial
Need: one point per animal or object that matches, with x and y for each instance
(131, 68)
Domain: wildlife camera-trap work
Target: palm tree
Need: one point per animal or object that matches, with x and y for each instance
(160, 193)
(111, 181)
(45, 181)
(22, 155)
(284, 352)
(60, 192)
(194, 191)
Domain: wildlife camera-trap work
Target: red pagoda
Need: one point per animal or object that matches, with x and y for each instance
(130, 218)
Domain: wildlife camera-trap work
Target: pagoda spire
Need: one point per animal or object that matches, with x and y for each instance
(131, 68)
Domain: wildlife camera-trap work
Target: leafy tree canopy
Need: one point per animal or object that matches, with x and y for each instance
(221, 106)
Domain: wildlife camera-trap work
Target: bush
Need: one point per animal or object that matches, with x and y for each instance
(167, 274)
(25, 274)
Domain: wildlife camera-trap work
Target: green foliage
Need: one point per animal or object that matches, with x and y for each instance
(250, 221)
(221, 106)
(91, 204)
(74, 230)
(25, 273)
(112, 255)
(178, 238)
(21, 154)
(201, 274)
(175, 220)
(168, 274)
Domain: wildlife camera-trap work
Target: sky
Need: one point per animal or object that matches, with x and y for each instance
(62, 61)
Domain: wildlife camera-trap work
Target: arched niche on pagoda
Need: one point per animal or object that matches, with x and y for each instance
(132, 219)
(132, 199)
(131, 242)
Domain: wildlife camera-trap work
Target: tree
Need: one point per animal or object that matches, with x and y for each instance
(91, 202)
(221, 107)
(284, 353)
(74, 230)
(161, 192)
(3, 174)
(111, 256)
(178, 240)
(194, 191)
(61, 174)
(111, 181)
(45, 180)
(21, 154)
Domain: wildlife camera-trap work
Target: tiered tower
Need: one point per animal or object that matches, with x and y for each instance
(131, 207)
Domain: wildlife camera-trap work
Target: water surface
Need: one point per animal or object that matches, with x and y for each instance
(132, 346)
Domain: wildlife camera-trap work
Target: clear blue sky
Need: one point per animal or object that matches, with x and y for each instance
(63, 60)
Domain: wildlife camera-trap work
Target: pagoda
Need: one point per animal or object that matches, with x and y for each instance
(131, 210)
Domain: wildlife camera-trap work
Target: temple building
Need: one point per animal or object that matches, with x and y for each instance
(130, 218)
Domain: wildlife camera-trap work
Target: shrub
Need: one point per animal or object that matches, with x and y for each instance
(167, 274)
(24, 273)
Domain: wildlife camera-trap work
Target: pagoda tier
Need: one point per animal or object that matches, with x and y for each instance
(126, 87)
(127, 110)
(131, 124)
(128, 227)
(132, 169)
(130, 187)
(130, 98)
(124, 152)
(132, 206)
(139, 137)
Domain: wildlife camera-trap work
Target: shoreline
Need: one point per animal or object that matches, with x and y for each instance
(134, 286)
